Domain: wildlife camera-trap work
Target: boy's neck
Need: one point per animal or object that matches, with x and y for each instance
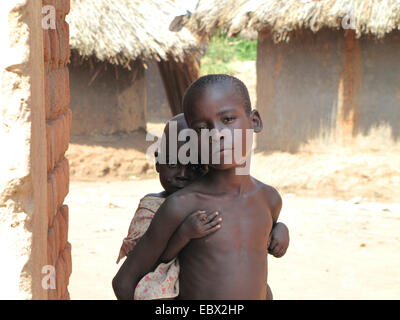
(228, 181)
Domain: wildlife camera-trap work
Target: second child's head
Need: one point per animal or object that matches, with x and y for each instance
(221, 102)
(174, 175)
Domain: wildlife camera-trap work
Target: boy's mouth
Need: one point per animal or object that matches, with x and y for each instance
(179, 186)
(181, 183)
(221, 150)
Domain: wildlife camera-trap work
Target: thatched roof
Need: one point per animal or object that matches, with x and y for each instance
(376, 17)
(122, 30)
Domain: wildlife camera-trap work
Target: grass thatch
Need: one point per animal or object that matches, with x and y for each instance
(119, 31)
(376, 17)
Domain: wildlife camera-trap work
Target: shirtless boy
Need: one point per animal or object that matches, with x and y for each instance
(230, 263)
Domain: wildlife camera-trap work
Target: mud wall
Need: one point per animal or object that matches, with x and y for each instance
(34, 135)
(327, 85)
(58, 123)
(106, 98)
(380, 90)
(157, 101)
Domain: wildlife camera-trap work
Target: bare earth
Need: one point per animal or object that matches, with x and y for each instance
(339, 249)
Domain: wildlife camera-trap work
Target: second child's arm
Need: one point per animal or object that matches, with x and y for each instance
(279, 236)
(145, 255)
(275, 203)
(196, 225)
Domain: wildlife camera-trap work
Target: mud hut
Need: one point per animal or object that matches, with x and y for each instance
(111, 44)
(325, 69)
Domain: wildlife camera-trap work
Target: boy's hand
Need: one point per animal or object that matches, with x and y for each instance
(278, 240)
(199, 224)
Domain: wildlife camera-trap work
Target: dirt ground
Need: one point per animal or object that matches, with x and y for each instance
(339, 249)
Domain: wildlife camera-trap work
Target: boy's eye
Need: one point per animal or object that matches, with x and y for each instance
(194, 167)
(198, 168)
(198, 129)
(228, 119)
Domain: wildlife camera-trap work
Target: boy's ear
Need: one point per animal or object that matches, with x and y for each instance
(256, 121)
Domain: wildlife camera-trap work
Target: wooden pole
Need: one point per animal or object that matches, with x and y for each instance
(177, 77)
(348, 111)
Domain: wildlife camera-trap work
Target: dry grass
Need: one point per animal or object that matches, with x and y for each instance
(125, 30)
(282, 17)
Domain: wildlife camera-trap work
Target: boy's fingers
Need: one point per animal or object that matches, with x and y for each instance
(278, 255)
(213, 229)
(275, 253)
(203, 217)
(282, 252)
(212, 216)
(214, 222)
(198, 212)
(273, 246)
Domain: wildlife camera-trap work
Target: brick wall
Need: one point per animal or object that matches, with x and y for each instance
(58, 123)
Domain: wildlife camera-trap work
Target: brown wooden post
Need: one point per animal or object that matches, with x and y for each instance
(177, 76)
(348, 111)
(269, 64)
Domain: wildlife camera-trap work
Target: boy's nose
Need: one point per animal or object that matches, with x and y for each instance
(216, 135)
(182, 173)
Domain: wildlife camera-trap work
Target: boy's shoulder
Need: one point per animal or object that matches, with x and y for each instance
(178, 204)
(269, 194)
(181, 197)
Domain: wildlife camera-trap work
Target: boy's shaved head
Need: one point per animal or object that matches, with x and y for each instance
(180, 122)
(222, 81)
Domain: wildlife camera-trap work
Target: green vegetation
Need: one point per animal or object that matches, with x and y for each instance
(224, 51)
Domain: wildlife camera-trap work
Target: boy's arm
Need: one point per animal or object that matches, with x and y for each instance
(275, 205)
(143, 258)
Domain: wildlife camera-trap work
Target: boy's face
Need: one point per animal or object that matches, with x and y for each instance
(220, 108)
(174, 177)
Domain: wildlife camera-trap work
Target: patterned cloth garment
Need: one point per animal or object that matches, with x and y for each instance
(163, 282)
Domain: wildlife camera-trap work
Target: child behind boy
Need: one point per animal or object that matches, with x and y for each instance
(163, 283)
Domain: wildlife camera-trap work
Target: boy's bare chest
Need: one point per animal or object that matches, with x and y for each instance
(246, 223)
